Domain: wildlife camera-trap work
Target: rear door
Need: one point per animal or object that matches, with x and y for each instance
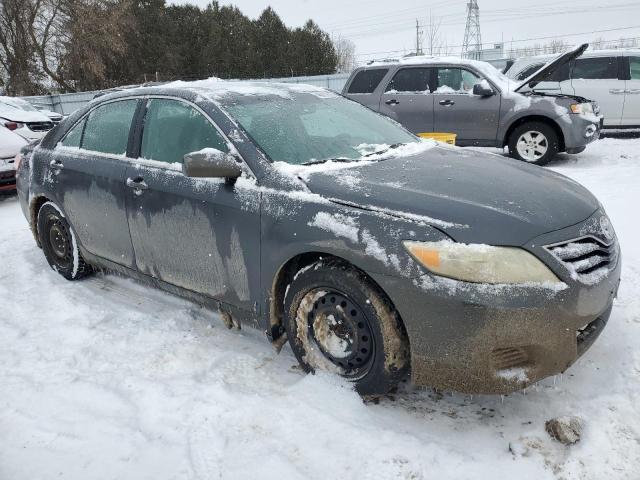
(407, 99)
(363, 87)
(197, 234)
(473, 118)
(597, 78)
(631, 111)
(87, 169)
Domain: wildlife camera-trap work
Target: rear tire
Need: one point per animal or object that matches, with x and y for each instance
(59, 244)
(337, 320)
(534, 142)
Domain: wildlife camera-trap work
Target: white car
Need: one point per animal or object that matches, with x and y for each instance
(29, 123)
(609, 77)
(10, 145)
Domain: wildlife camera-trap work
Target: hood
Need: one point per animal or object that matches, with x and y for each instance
(52, 115)
(10, 143)
(547, 70)
(18, 115)
(474, 197)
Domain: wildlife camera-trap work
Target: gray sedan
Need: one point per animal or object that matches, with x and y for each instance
(296, 211)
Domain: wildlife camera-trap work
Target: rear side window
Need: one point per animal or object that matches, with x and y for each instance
(595, 68)
(366, 81)
(634, 68)
(410, 80)
(74, 136)
(527, 72)
(172, 129)
(108, 126)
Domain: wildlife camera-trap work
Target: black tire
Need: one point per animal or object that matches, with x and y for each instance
(336, 302)
(59, 245)
(539, 131)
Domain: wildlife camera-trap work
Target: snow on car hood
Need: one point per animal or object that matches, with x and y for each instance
(474, 197)
(19, 115)
(10, 143)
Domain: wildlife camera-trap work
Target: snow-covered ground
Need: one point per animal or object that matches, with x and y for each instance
(107, 379)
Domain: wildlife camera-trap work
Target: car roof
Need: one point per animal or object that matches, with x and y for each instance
(215, 89)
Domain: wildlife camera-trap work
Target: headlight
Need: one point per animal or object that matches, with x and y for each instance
(581, 108)
(480, 263)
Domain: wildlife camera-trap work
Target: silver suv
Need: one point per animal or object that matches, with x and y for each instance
(482, 106)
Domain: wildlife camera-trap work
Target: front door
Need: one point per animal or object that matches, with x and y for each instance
(473, 118)
(597, 79)
(631, 111)
(198, 234)
(89, 167)
(408, 100)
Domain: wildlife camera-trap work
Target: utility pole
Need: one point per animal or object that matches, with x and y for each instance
(472, 44)
(418, 46)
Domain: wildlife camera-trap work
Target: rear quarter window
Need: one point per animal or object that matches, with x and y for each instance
(366, 81)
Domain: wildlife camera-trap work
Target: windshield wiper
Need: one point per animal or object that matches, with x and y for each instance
(380, 152)
(337, 159)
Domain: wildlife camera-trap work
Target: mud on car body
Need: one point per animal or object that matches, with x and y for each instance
(294, 210)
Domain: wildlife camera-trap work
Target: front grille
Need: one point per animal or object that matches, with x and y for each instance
(587, 259)
(40, 126)
(503, 358)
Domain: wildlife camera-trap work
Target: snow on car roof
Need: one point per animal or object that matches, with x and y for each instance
(216, 88)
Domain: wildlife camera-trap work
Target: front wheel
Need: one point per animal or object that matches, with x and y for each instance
(338, 321)
(59, 244)
(534, 142)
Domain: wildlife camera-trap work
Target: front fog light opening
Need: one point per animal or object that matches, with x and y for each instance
(590, 131)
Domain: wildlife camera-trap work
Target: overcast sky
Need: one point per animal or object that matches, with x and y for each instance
(387, 28)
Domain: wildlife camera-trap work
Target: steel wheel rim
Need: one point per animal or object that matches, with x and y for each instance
(341, 331)
(532, 146)
(60, 242)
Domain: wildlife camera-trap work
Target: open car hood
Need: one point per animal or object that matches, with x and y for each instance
(547, 70)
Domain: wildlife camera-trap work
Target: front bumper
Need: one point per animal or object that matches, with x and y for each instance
(580, 130)
(487, 339)
(7, 176)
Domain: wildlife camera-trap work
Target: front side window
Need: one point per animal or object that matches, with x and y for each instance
(410, 80)
(172, 129)
(108, 126)
(527, 72)
(456, 80)
(74, 136)
(634, 68)
(595, 68)
(366, 81)
(305, 128)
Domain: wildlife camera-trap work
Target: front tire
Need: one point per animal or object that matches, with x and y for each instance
(59, 244)
(534, 142)
(337, 320)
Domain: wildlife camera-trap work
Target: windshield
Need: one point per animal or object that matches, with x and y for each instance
(303, 128)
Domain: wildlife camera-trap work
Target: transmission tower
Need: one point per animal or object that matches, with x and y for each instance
(472, 45)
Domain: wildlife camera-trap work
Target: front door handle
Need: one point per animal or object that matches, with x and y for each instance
(447, 102)
(617, 91)
(138, 184)
(393, 101)
(56, 164)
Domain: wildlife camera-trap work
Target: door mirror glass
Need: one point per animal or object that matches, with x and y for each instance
(483, 89)
(211, 163)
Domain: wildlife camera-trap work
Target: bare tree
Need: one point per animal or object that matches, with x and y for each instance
(435, 43)
(346, 53)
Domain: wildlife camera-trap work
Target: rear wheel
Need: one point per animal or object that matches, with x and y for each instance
(59, 244)
(338, 321)
(534, 142)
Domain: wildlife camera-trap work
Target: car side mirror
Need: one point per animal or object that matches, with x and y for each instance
(211, 163)
(482, 89)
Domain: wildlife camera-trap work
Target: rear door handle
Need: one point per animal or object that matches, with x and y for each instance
(56, 164)
(617, 91)
(138, 184)
(393, 101)
(447, 102)
(634, 91)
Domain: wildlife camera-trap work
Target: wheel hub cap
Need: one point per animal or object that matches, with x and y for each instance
(532, 146)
